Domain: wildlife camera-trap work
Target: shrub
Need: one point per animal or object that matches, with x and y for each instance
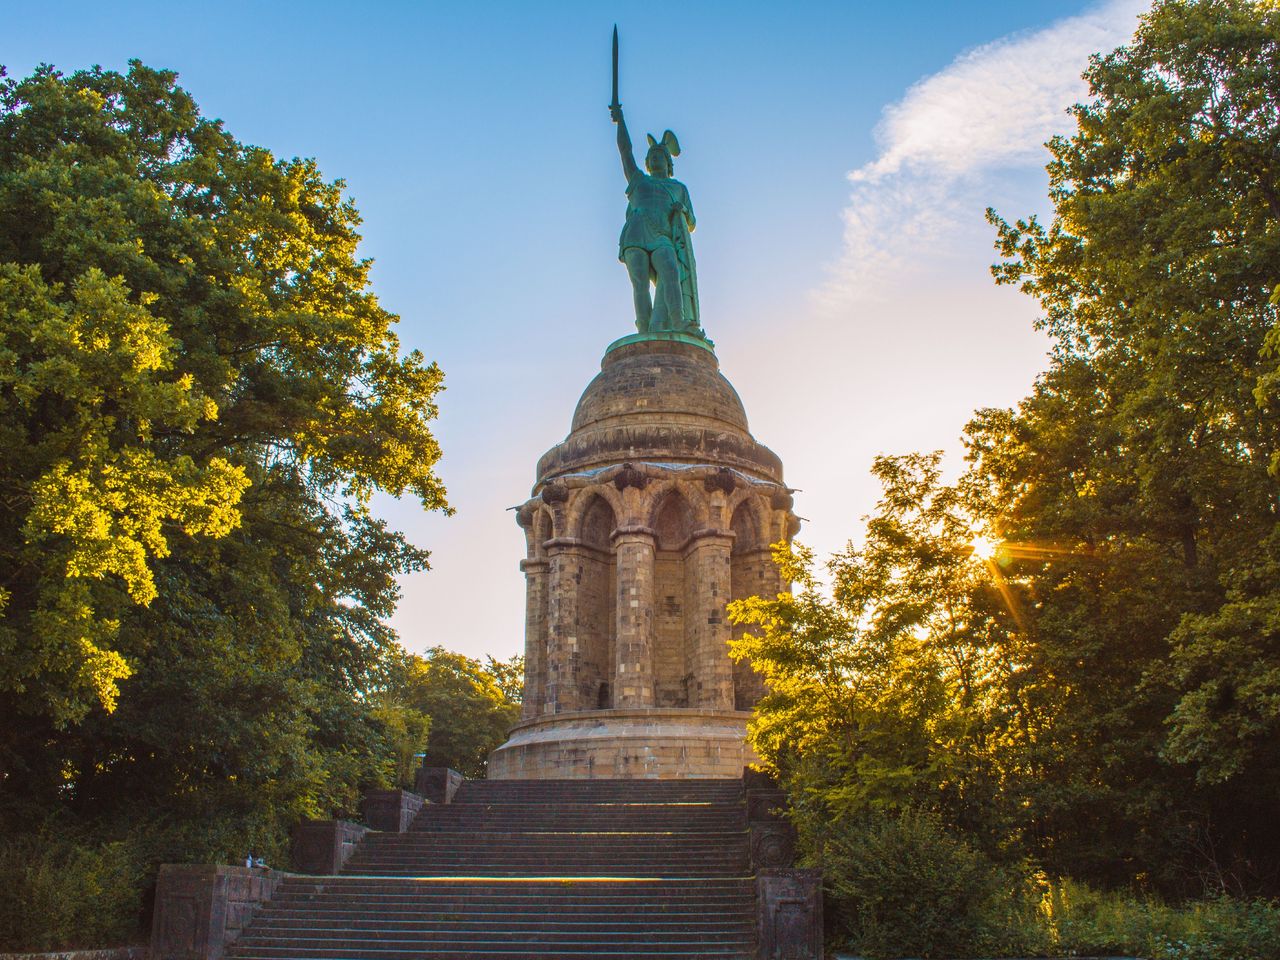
(906, 886)
(61, 892)
(1085, 922)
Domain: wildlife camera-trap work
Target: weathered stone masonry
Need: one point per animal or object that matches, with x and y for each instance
(656, 510)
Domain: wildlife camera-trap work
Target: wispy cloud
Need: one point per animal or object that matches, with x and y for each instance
(989, 111)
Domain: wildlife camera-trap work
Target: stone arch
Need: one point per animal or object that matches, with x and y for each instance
(597, 523)
(689, 495)
(594, 622)
(583, 499)
(673, 519)
(752, 573)
(756, 506)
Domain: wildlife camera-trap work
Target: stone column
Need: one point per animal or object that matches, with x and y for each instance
(709, 556)
(564, 557)
(535, 636)
(634, 547)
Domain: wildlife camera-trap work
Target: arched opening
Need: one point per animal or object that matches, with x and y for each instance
(674, 654)
(593, 638)
(752, 573)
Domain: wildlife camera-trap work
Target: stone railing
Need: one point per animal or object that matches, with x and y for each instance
(201, 908)
(788, 900)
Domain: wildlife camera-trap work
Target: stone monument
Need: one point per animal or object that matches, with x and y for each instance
(656, 510)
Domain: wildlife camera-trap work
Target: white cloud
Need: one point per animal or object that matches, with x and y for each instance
(990, 110)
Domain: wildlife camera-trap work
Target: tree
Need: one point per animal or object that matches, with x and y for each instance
(1106, 698)
(1142, 455)
(201, 394)
(471, 705)
(895, 691)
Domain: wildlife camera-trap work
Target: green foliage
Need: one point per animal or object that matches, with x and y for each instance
(904, 885)
(1134, 481)
(1101, 697)
(471, 706)
(1080, 921)
(199, 395)
(63, 892)
(894, 690)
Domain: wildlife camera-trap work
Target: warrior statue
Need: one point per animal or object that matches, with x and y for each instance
(655, 243)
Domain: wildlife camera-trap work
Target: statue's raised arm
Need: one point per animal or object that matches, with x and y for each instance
(629, 166)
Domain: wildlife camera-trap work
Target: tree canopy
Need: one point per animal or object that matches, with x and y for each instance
(199, 395)
(1103, 694)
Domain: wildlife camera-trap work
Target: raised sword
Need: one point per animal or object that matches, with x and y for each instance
(615, 104)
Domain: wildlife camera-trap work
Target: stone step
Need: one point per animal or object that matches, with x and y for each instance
(482, 836)
(640, 934)
(498, 922)
(669, 790)
(513, 950)
(531, 870)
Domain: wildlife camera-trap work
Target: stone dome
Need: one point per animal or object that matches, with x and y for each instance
(660, 400)
(667, 380)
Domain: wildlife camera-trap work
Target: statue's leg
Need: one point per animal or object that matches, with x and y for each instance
(637, 262)
(669, 313)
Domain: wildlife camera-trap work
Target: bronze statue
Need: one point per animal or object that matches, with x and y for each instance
(655, 243)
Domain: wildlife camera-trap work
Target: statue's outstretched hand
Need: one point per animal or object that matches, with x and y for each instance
(615, 113)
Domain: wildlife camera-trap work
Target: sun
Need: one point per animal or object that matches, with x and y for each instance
(983, 548)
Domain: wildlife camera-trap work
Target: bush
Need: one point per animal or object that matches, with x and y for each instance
(1084, 922)
(62, 893)
(906, 886)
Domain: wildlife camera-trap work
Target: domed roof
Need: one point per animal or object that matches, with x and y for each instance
(659, 400)
(660, 379)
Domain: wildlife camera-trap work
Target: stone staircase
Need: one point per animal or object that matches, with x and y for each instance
(536, 869)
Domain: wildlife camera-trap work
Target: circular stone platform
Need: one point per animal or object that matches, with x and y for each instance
(657, 743)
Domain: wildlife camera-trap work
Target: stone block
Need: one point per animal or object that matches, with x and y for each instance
(789, 905)
(773, 845)
(765, 804)
(437, 784)
(323, 846)
(201, 908)
(652, 743)
(391, 810)
(757, 780)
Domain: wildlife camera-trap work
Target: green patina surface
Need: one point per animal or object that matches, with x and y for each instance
(696, 340)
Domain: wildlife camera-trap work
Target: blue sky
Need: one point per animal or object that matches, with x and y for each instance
(839, 157)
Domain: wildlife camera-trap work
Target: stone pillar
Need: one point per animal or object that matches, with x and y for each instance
(564, 574)
(201, 908)
(323, 846)
(634, 548)
(535, 636)
(708, 556)
(789, 919)
(390, 810)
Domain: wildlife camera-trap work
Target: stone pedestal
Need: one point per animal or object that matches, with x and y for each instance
(391, 810)
(654, 513)
(323, 846)
(658, 743)
(437, 784)
(790, 914)
(201, 908)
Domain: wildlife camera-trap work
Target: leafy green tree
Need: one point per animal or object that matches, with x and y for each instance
(1136, 474)
(1106, 697)
(199, 395)
(471, 705)
(893, 690)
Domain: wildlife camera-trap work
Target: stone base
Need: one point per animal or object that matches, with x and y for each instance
(658, 744)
